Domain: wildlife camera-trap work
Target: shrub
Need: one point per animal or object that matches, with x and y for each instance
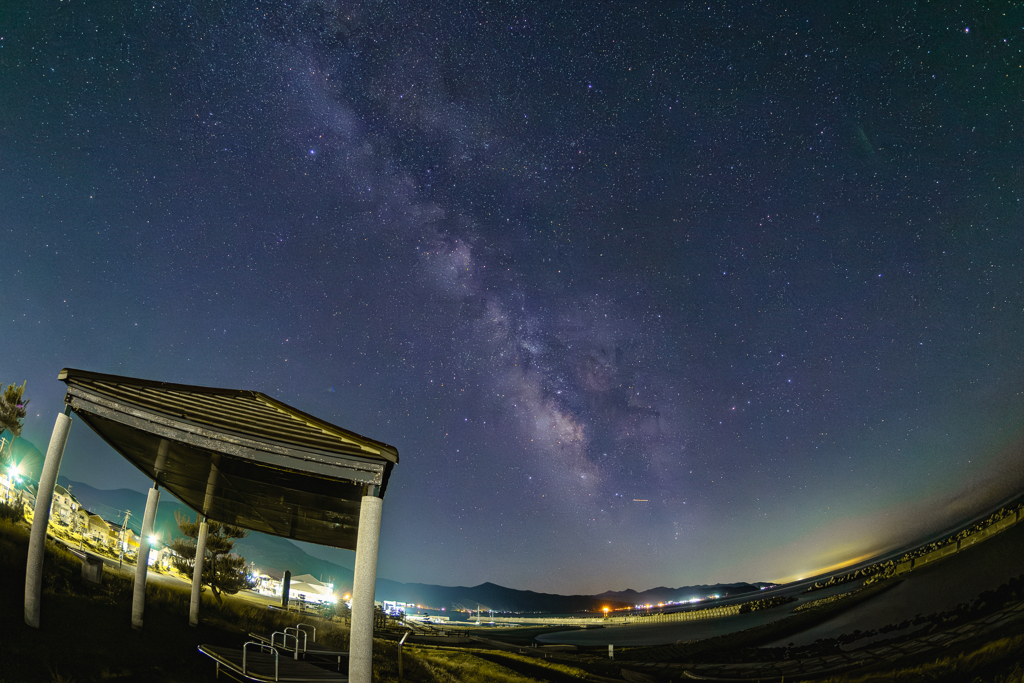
(12, 513)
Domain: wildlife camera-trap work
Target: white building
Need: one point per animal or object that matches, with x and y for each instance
(307, 589)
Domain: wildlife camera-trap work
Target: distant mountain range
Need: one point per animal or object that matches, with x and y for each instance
(274, 555)
(500, 599)
(653, 596)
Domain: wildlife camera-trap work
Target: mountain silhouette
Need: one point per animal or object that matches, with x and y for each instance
(274, 555)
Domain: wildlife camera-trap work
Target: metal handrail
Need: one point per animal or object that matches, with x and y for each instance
(312, 627)
(283, 637)
(296, 637)
(262, 647)
(284, 641)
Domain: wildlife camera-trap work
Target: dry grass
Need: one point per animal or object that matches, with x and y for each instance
(998, 661)
(456, 667)
(92, 626)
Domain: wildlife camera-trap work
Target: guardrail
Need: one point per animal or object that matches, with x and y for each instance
(1011, 518)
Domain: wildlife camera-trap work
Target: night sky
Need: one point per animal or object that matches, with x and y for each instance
(659, 295)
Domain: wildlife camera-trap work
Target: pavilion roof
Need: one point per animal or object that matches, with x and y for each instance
(237, 456)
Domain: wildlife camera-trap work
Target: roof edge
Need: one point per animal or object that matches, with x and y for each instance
(67, 375)
(387, 451)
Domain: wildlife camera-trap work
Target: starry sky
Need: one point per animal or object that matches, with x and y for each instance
(649, 295)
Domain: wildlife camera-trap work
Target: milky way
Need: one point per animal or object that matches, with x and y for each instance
(644, 296)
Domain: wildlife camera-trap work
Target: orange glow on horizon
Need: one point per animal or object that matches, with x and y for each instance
(825, 570)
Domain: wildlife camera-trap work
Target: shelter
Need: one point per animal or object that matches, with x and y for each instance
(308, 588)
(237, 457)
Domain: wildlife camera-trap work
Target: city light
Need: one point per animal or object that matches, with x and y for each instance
(152, 540)
(8, 483)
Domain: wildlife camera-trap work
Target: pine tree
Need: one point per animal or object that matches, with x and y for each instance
(223, 572)
(12, 414)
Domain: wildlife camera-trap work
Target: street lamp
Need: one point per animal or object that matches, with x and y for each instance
(153, 538)
(13, 472)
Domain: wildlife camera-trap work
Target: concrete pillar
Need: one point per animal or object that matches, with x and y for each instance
(197, 572)
(286, 588)
(41, 518)
(360, 658)
(204, 530)
(142, 564)
(211, 485)
(161, 459)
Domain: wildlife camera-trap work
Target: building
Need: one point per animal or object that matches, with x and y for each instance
(307, 588)
(64, 506)
(97, 530)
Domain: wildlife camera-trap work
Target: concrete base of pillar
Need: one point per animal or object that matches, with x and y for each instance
(92, 569)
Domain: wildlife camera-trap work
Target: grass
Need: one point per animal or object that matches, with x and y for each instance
(454, 666)
(998, 661)
(546, 669)
(523, 636)
(86, 635)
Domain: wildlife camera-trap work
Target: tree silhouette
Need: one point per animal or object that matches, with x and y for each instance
(223, 572)
(12, 414)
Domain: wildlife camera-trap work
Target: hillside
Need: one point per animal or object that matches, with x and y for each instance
(271, 554)
(274, 555)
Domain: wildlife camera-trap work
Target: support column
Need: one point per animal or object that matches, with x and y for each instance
(197, 573)
(286, 588)
(360, 658)
(204, 531)
(142, 563)
(41, 516)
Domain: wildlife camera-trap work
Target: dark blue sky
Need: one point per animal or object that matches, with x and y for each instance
(644, 296)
